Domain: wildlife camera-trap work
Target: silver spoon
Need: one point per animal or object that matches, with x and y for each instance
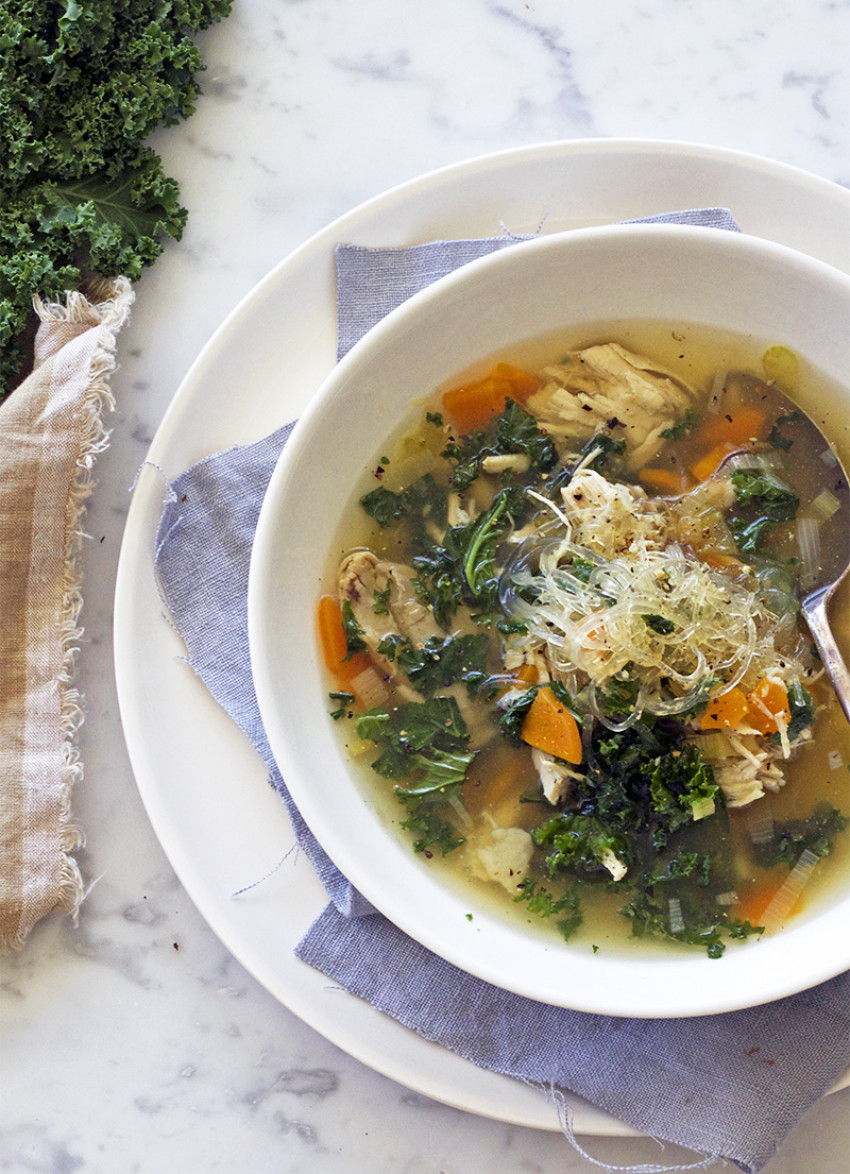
(822, 580)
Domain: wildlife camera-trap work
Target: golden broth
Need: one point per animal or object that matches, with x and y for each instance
(820, 768)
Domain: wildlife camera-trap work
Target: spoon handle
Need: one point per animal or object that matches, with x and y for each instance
(814, 609)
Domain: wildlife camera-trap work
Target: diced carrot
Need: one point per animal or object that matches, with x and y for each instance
(765, 703)
(526, 674)
(708, 464)
(334, 645)
(331, 632)
(472, 405)
(721, 435)
(737, 427)
(666, 481)
(520, 678)
(725, 711)
(495, 792)
(753, 905)
(550, 726)
(720, 562)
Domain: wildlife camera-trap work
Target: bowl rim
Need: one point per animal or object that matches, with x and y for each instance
(292, 767)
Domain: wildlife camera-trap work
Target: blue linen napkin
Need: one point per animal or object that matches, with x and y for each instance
(729, 1086)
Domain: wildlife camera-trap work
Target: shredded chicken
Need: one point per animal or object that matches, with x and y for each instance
(748, 771)
(607, 386)
(504, 857)
(555, 777)
(362, 579)
(611, 518)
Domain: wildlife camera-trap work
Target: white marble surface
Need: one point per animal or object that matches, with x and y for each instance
(135, 1042)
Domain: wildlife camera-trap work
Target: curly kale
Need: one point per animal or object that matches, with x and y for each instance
(83, 84)
(817, 834)
(514, 432)
(427, 744)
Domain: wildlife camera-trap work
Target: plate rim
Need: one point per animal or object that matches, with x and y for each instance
(168, 432)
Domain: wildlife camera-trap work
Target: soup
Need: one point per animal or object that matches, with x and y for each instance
(566, 637)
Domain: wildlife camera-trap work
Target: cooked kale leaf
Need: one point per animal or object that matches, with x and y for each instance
(580, 843)
(541, 901)
(515, 431)
(761, 499)
(816, 834)
(603, 447)
(439, 663)
(802, 709)
(354, 634)
(463, 567)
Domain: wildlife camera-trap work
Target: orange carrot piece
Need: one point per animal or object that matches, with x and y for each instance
(720, 562)
(708, 464)
(550, 726)
(753, 905)
(765, 703)
(499, 790)
(737, 427)
(725, 711)
(666, 481)
(334, 645)
(472, 405)
(331, 632)
(721, 435)
(525, 675)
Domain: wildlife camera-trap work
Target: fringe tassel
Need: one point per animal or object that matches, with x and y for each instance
(108, 315)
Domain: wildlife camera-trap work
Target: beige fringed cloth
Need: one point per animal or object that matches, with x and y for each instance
(51, 430)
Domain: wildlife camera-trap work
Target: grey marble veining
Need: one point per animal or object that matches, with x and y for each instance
(136, 1042)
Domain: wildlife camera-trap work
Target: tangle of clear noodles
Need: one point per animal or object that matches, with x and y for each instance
(676, 627)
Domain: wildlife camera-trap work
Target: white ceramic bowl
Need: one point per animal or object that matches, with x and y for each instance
(656, 272)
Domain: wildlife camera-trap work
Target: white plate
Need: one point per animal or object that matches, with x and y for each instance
(202, 784)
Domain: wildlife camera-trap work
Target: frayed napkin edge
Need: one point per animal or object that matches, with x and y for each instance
(108, 315)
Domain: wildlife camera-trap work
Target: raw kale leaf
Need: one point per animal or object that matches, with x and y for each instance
(82, 86)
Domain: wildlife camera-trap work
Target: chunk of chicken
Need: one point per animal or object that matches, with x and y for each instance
(504, 857)
(555, 777)
(611, 518)
(748, 770)
(363, 580)
(606, 383)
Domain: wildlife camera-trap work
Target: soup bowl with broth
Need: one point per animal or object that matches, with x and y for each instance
(524, 620)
